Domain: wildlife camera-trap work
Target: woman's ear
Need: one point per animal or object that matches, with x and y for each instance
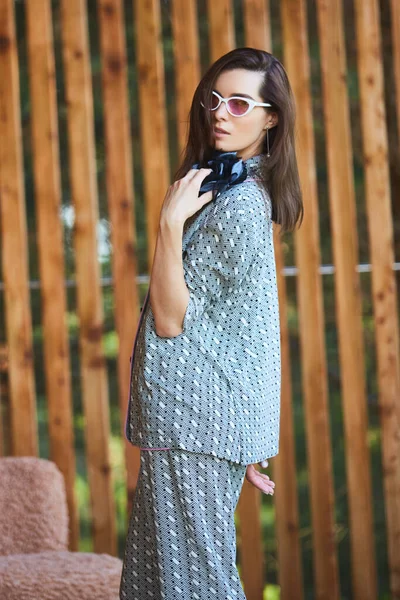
(272, 121)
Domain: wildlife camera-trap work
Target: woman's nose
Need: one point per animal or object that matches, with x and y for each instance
(222, 110)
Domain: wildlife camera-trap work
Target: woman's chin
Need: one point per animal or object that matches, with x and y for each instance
(220, 146)
(224, 148)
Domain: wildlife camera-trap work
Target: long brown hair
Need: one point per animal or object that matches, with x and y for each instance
(279, 172)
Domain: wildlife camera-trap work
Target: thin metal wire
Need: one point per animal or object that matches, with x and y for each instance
(142, 279)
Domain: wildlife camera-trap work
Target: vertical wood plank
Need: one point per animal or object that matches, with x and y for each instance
(380, 228)
(119, 180)
(14, 245)
(395, 14)
(187, 62)
(284, 465)
(314, 368)
(46, 168)
(150, 66)
(251, 548)
(348, 296)
(257, 27)
(90, 310)
(258, 35)
(221, 28)
(4, 430)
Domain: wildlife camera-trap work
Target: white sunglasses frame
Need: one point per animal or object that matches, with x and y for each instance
(252, 104)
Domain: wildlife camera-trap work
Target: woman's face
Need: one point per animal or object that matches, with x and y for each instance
(245, 135)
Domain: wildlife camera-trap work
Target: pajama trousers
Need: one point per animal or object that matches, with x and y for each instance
(181, 540)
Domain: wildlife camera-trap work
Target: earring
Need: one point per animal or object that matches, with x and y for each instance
(268, 154)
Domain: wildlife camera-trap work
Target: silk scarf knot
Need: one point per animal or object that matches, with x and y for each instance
(227, 170)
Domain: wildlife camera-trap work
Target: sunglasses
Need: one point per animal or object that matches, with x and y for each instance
(235, 105)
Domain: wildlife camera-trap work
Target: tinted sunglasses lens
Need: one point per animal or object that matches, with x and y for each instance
(238, 106)
(212, 103)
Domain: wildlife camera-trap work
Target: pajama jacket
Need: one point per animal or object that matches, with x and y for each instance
(215, 387)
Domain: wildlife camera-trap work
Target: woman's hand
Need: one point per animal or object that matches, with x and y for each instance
(260, 480)
(182, 198)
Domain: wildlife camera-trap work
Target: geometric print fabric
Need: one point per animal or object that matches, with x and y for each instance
(215, 387)
(181, 541)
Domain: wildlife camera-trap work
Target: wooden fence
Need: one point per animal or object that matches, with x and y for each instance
(252, 18)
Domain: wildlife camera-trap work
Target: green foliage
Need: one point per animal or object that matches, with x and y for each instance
(272, 592)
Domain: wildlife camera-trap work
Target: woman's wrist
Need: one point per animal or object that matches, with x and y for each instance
(169, 223)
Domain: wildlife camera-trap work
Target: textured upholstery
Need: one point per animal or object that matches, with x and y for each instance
(35, 563)
(59, 576)
(33, 508)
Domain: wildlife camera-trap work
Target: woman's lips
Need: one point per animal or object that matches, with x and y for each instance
(220, 132)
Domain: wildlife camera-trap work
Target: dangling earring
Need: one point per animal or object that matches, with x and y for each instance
(268, 154)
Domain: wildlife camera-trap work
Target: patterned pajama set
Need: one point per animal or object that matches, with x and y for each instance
(205, 404)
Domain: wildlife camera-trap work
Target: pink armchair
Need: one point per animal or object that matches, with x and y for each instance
(35, 563)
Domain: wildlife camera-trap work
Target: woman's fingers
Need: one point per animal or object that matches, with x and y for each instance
(198, 178)
(259, 480)
(199, 173)
(265, 487)
(190, 174)
(182, 198)
(206, 197)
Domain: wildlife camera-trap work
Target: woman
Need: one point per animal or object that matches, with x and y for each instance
(204, 399)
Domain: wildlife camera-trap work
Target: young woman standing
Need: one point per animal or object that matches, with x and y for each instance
(204, 398)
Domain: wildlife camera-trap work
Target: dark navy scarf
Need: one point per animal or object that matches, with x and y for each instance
(227, 170)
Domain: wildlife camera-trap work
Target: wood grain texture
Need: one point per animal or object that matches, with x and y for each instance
(221, 28)
(257, 27)
(121, 206)
(395, 19)
(284, 466)
(15, 267)
(46, 160)
(251, 546)
(347, 296)
(380, 227)
(153, 120)
(311, 314)
(90, 309)
(187, 62)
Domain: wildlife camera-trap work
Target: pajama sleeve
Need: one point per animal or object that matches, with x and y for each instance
(223, 249)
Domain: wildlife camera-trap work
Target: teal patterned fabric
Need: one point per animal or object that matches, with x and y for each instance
(215, 387)
(181, 540)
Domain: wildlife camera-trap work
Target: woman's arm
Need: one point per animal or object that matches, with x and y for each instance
(169, 295)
